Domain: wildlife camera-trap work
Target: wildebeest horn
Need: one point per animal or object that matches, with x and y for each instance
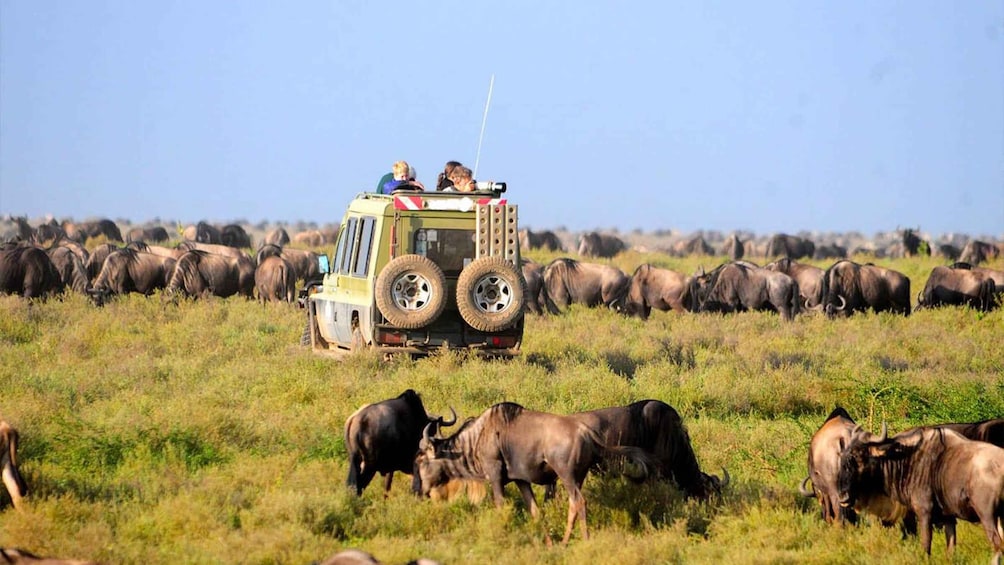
(726, 479)
(843, 303)
(443, 422)
(885, 432)
(804, 490)
(425, 434)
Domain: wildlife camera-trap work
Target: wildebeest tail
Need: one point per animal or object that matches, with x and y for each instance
(987, 295)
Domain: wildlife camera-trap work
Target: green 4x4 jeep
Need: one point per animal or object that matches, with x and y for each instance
(421, 271)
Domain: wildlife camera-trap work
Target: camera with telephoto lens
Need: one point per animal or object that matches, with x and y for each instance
(490, 185)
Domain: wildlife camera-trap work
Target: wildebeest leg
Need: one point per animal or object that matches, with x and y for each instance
(528, 498)
(994, 527)
(949, 536)
(387, 478)
(924, 526)
(14, 483)
(576, 509)
(365, 476)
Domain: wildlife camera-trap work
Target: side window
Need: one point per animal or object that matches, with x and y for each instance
(345, 245)
(361, 264)
(341, 248)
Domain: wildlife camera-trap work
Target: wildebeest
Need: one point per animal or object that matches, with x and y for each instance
(537, 301)
(358, 557)
(28, 271)
(127, 270)
(990, 431)
(976, 252)
(275, 280)
(278, 236)
(595, 244)
(96, 260)
(937, 473)
(233, 235)
(808, 277)
(830, 251)
(790, 246)
(958, 287)
(16, 487)
(849, 287)
(16, 556)
(693, 246)
(156, 234)
(310, 238)
(739, 286)
(546, 239)
(202, 232)
(305, 264)
(214, 248)
(948, 251)
(912, 245)
(70, 268)
(733, 248)
(198, 273)
(653, 287)
(569, 281)
(383, 438)
(656, 428)
(508, 443)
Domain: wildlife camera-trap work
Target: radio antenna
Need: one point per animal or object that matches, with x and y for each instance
(484, 120)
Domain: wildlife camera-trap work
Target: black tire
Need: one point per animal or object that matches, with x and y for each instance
(305, 336)
(491, 294)
(411, 292)
(311, 336)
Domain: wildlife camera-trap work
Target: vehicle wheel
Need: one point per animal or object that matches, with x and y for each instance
(305, 336)
(311, 336)
(411, 291)
(491, 294)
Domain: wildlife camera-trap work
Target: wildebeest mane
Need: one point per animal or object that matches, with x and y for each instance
(838, 412)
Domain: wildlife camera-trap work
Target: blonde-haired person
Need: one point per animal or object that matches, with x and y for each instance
(400, 172)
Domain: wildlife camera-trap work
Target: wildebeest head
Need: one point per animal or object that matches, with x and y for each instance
(860, 465)
(430, 471)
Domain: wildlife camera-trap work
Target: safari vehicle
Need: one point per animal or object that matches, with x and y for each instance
(417, 272)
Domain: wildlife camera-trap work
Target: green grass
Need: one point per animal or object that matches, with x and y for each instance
(199, 432)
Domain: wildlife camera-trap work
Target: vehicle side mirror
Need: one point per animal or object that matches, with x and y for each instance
(323, 265)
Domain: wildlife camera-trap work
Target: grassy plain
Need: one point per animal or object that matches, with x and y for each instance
(200, 432)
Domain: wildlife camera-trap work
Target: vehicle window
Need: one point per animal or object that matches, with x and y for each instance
(361, 264)
(450, 249)
(341, 248)
(347, 244)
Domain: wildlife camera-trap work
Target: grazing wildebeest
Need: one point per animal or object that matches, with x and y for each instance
(305, 264)
(16, 487)
(96, 260)
(849, 287)
(214, 248)
(948, 251)
(310, 238)
(937, 473)
(958, 287)
(233, 235)
(912, 245)
(976, 252)
(383, 438)
(656, 428)
(70, 268)
(538, 301)
(16, 556)
(278, 236)
(127, 270)
(808, 277)
(199, 273)
(594, 244)
(508, 443)
(546, 239)
(830, 251)
(653, 287)
(693, 246)
(28, 271)
(203, 232)
(275, 280)
(790, 246)
(733, 248)
(357, 557)
(997, 276)
(739, 286)
(591, 284)
(156, 234)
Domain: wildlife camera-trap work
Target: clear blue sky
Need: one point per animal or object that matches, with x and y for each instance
(769, 116)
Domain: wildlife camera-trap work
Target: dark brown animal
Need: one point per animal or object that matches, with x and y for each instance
(16, 487)
(279, 236)
(546, 239)
(808, 277)
(733, 248)
(569, 281)
(156, 234)
(693, 246)
(656, 428)
(740, 286)
(849, 287)
(305, 263)
(128, 270)
(830, 251)
(216, 249)
(958, 287)
(997, 276)
(28, 271)
(937, 473)
(202, 232)
(275, 280)
(383, 438)
(990, 431)
(508, 443)
(70, 268)
(538, 301)
(912, 245)
(310, 238)
(976, 252)
(790, 246)
(653, 287)
(594, 244)
(233, 235)
(96, 260)
(199, 273)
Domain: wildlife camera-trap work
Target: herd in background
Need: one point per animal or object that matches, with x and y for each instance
(783, 285)
(209, 260)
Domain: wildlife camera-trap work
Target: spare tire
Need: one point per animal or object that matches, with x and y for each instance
(491, 294)
(411, 292)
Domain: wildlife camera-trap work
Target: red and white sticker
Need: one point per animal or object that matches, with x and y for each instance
(408, 203)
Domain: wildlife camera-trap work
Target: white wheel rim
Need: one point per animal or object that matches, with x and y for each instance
(411, 292)
(492, 294)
